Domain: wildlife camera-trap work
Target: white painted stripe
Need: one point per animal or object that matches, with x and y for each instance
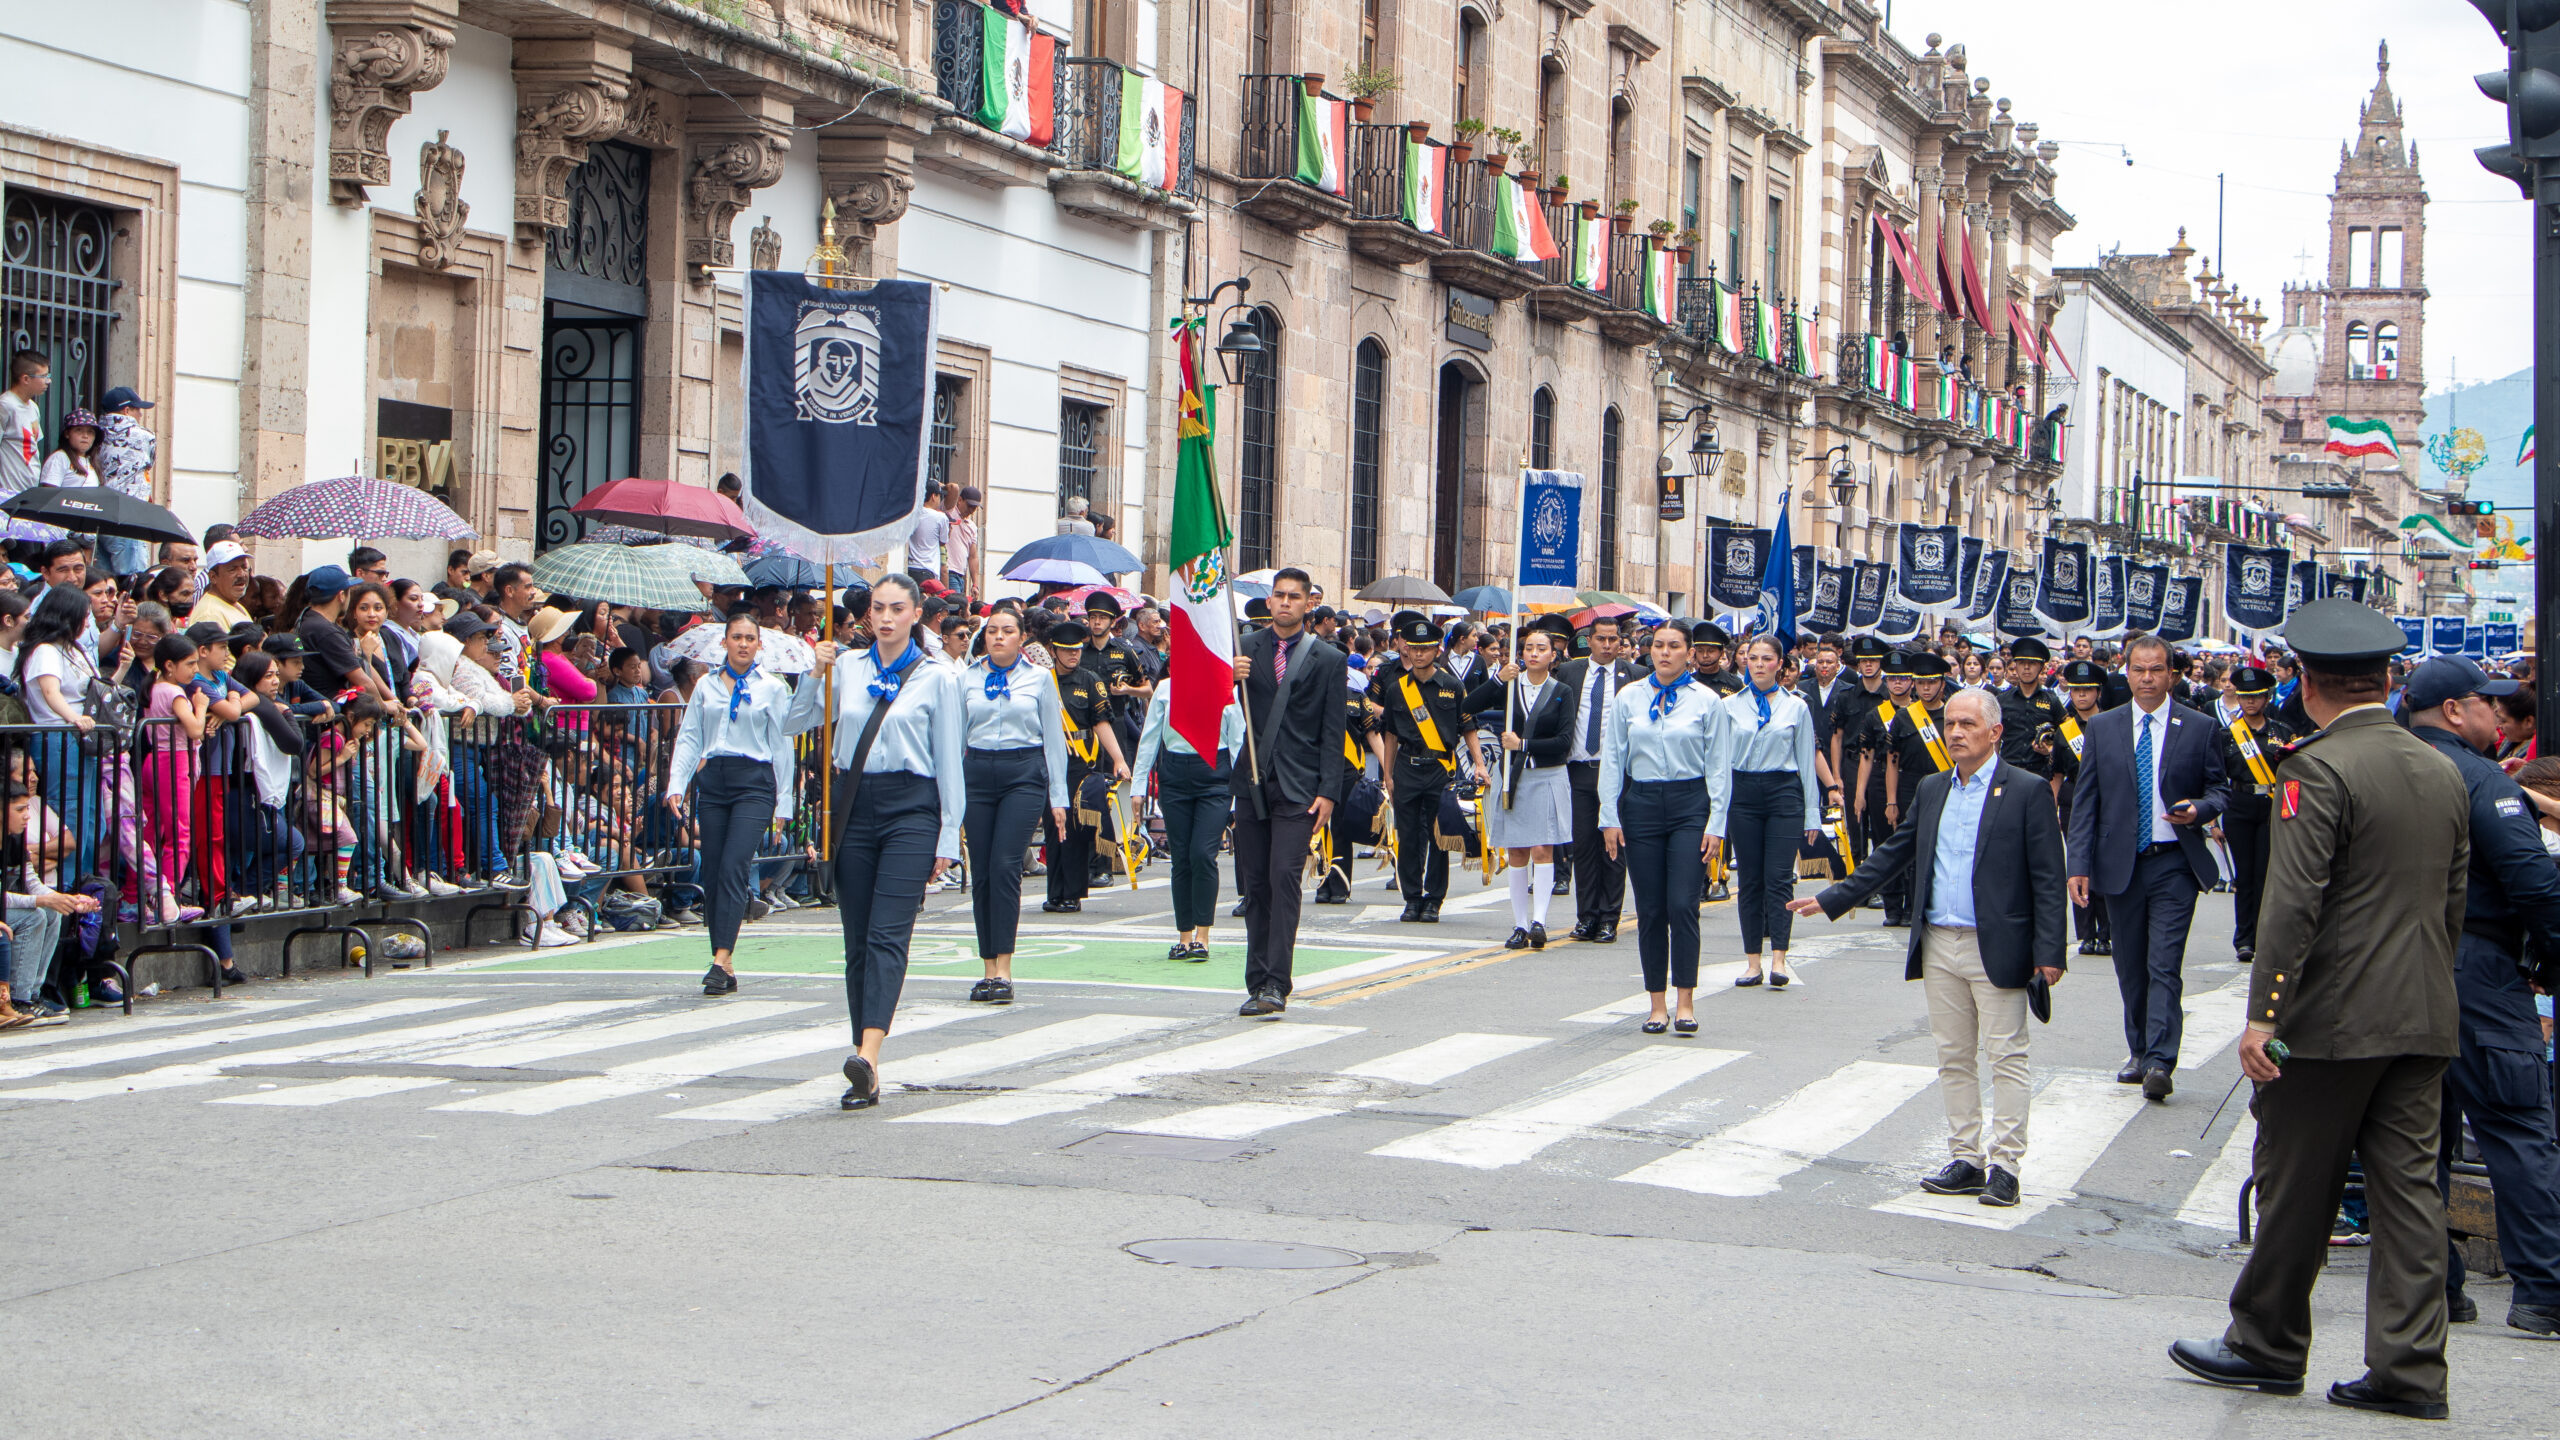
(108, 1023)
(1518, 1131)
(1713, 980)
(642, 1076)
(1422, 1065)
(1130, 1077)
(201, 1072)
(2215, 1202)
(112, 1051)
(507, 1053)
(960, 1061)
(330, 1092)
(1753, 1157)
(1489, 896)
(2074, 1119)
(2214, 1019)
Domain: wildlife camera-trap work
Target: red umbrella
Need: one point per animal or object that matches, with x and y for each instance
(1601, 612)
(1129, 599)
(668, 508)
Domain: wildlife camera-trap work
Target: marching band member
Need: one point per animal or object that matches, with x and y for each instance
(1417, 753)
(1777, 804)
(1084, 715)
(1666, 768)
(1017, 768)
(2250, 746)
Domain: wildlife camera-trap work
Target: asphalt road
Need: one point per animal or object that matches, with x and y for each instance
(561, 1194)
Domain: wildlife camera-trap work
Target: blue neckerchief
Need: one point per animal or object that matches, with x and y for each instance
(1666, 697)
(893, 678)
(1000, 679)
(737, 685)
(1760, 698)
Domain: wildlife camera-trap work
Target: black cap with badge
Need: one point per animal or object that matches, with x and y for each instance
(1415, 628)
(1067, 635)
(2084, 675)
(1868, 647)
(2252, 680)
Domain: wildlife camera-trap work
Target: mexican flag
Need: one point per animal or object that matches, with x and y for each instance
(1590, 252)
(2361, 437)
(1202, 672)
(1905, 377)
(1661, 283)
(1014, 92)
(1942, 403)
(1426, 168)
(1764, 332)
(1729, 318)
(1150, 131)
(1879, 361)
(1519, 223)
(1808, 346)
(2427, 527)
(1323, 140)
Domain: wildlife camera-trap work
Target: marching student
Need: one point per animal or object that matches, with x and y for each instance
(1777, 804)
(2250, 746)
(1088, 734)
(901, 741)
(736, 734)
(1017, 768)
(1193, 790)
(1418, 761)
(2084, 685)
(1528, 801)
(1666, 768)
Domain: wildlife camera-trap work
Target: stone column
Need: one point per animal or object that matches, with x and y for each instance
(276, 343)
(382, 52)
(1925, 177)
(568, 93)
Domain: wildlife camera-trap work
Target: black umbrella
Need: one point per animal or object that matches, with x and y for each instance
(97, 510)
(1404, 588)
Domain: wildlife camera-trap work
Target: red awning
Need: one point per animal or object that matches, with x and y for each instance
(1906, 259)
(2023, 331)
(1977, 301)
(2053, 346)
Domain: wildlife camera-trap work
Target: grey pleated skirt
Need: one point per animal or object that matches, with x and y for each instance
(1541, 811)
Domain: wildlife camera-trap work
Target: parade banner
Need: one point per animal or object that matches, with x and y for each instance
(1736, 559)
(1866, 593)
(2017, 612)
(2414, 629)
(2475, 641)
(1928, 564)
(2253, 589)
(1800, 575)
(2106, 598)
(1968, 572)
(1899, 621)
(2446, 635)
(2301, 584)
(2062, 583)
(2146, 589)
(2350, 587)
(1828, 614)
(2504, 637)
(2180, 607)
(1550, 547)
(1778, 581)
(1990, 584)
(839, 398)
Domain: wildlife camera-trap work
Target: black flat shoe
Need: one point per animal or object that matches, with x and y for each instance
(1779, 979)
(1607, 936)
(231, 976)
(2212, 1360)
(1179, 950)
(1000, 992)
(1655, 1027)
(2360, 1395)
(1580, 932)
(982, 991)
(1745, 982)
(1685, 1027)
(864, 1091)
(2130, 1074)
(1537, 937)
(1199, 952)
(1519, 940)
(717, 981)
(1431, 912)
(1412, 915)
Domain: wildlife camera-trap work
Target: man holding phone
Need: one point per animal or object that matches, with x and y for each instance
(2150, 779)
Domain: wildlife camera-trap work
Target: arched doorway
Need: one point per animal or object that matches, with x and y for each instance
(1458, 456)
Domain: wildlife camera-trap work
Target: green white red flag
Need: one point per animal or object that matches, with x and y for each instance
(1202, 672)
(1426, 169)
(1323, 139)
(1150, 131)
(1016, 63)
(2352, 438)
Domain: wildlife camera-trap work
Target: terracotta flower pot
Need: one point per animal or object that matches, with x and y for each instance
(1590, 209)
(1682, 251)
(1460, 152)
(1420, 130)
(1495, 163)
(1623, 224)
(1315, 83)
(1361, 110)
(1528, 178)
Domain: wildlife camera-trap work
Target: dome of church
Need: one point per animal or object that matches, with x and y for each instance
(2295, 352)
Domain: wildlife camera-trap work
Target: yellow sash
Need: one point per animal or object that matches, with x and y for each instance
(2247, 740)
(2073, 737)
(1927, 728)
(1086, 745)
(1350, 750)
(1422, 722)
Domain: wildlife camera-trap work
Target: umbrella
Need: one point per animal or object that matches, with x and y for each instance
(1605, 597)
(784, 653)
(97, 510)
(1262, 578)
(1054, 572)
(1404, 589)
(355, 508)
(1102, 555)
(709, 566)
(1129, 599)
(1484, 599)
(640, 535)
(646, 576)
(1251, 589)
(781, 567)
(1601, 612)
(666, 506)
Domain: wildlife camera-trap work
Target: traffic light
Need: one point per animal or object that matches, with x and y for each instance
(2529, 87)
(2484, 564)
(2470, 507)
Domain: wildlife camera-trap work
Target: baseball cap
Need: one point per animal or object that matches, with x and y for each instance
(209, 632)
(122, 396)
(2451, 677)
(462, 627)
(482, 562)
(326, 581)
(223, 553)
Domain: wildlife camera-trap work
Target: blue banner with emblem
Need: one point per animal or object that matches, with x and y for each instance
(1550, 531)
(2180, 607)
(1990, 582)
(2254, 581)
(2446, 634)
(2106, 597)
(2413, 628)
(1828, 613)
(1866, 593)
(1928, 568)
(839, 404)
(2063, 583)
(2016, 616)
(1736, 561)
(2475, 641)
(2146, 590)
(2503, 637)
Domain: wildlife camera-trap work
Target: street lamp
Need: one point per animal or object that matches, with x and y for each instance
(1843, 479)
(1705, 452)
(1240, 350)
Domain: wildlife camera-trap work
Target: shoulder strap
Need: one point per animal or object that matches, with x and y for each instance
(861, 754)
(1424, 724)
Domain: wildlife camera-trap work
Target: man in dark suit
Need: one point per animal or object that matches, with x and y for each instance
(1599, 881)
(1983, 854)
(1294, 689)
(2150, 780)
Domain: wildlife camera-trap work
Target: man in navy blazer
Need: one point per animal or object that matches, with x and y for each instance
(2150, 781)
(1984, 856)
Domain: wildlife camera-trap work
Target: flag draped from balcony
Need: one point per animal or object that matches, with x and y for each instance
(1808, 338)
(1150, 131)
(1322, 141)
(1764, 331)
(1590, 252)
(1202, 672)
(1942, 398)
(1729, 318)
(1879, 364)
(1661, 284)
(2352, 438)
(1905, 383)
(1426, 169)
(1519, 222)
(1014, 85)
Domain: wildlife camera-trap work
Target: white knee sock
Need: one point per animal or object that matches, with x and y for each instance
(1520, 897)
(1542, 888)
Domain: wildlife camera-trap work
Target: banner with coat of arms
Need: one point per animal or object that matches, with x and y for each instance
(2254, 581)
(1550, 539)
(1736, 559)
(1990, 584)
(1828, 614)
(2181, 607)
(2146, 590)
(839, 400)
(2063, 584)
(1928, 567)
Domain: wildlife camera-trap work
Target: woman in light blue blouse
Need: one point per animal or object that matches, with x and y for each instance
(1192, 790)
(900, 792)
(1777, 805)
(1666, 767)
(1017, 767)
(734, 750)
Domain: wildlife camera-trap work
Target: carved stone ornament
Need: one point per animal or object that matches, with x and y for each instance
(373, 72)
(440, 206)
(652, 118)
(764, 246)
(879, 199)
(726, 173)
(553, 129)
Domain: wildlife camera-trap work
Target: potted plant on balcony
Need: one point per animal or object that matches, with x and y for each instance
(1590, 209)
(1528, 179)
(1366, 86)
(1625, 218)
(1420, 130)
(1314, 80)
(1468, 130)
(1557, 191)
(1504, 142)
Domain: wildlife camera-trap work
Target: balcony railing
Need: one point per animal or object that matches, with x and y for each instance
(1088, 113)
(1560, 221)
(959, 53)
(1697, 296)
(1377, 172)
(1267, 142)
(1626, 271)
(1467, 205)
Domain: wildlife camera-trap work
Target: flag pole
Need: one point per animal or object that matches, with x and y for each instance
(826, 258)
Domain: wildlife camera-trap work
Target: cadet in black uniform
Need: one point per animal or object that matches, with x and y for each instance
(1850, 704)
(2251, 766)
(1913, 752)
(1417, 747)
(1084, 705)
(1710, 643)
(2027, 709)
(2085, 686)
(1873, 742)
(1121, 664)
(1343, 835)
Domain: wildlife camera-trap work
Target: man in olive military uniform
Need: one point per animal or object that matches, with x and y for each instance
(2084, 693)
(2498, 1082)
(2249, 760)
(1914, 750)
(1084, 704)
(1850, 706)
(1418, 752)
(2028, 709)
(2355, 973)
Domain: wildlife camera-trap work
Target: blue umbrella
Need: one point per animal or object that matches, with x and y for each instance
(1053, 571)
(781, 567)
(1484, 600)
(1102, 555)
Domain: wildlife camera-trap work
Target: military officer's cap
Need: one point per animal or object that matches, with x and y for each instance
(2338, 632)
(1066, 635)
(1103, 601)
(2252, 680)
(1927, 666)
(2084, 675)
(1868, 647)
(1416, 629)
(1900, 662)
(1555, 625)
(2030, 649)
(1708, 632)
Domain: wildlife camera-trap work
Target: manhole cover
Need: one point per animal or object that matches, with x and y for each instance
(1221, 1087)
(1993, 1277)
(1243, 1254)
(1161, 1147)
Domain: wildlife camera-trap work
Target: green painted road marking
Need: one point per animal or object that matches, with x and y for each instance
(1125, 962)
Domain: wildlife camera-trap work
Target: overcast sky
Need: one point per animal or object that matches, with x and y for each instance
(2264, 92)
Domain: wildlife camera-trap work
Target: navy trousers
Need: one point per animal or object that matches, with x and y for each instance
(1665, 821)
(884, 856)
(733, 803)
(1196, 803)
(1008, 795)
(2150, 921)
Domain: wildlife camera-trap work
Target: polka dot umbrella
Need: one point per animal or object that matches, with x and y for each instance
(355, 508)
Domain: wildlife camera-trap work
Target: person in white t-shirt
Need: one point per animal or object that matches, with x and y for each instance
(21, 425)
(924, 543)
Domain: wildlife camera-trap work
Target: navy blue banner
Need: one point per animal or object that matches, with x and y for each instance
(1736, 559)
(2017, 613)
(2475, 641)
(2254, 581)
(2180, 610)
(839, 401)
(2301, 585)
(2503, 637)
(1990, 583)
(2414, 629)
(1550, 529)
(1866, 593)
(1969, 573)
(1928, 566)
(1899, 621)
(1828, 613)
(2062, 582)
(2333, 582)
(2146, 589)
(2446, 635)
(1801, 558)
(2106, 597)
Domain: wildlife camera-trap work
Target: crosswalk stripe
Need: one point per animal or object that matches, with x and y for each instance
(936, 1067)
(639, 1077)
(1422, 1065)
(375, 1045)
(110, 1025)
(330, 1092)
(1129, 1077)
(504, 1054)
(2215, 1202)
(1517, 1132)
(2071, 1122)
(112, 1051)
(1713, 980)
(2214, 1019)
(1753, 1157)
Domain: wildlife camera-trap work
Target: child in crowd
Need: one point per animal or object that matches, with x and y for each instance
(173, 728)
